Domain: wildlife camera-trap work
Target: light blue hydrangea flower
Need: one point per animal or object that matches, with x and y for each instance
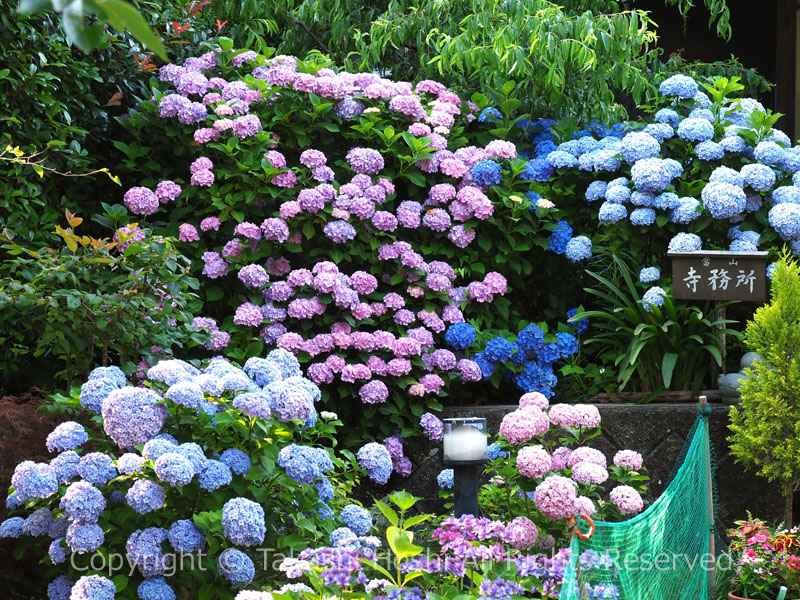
(638, 145)
(610, 212)
(668, 116)
(733, 144)
(155, 588)
(769, 153)
(674, 168)
(687, 211)
(791, 160)
(185, 536)
(649, 274)
(262, 371)
(83, 501)
(642, 217)
(742, 245)
(145, 496)
(723, 200)
(709, 150)
(643, 199)
(12, 528)
(93, 587)
(701, 113)
(171, 371)
(685, 242)
(375, 459)
(681, 86)
(243, 522)
(185, 393)
(785, 219)
(83, 537)
(651, 175)
(97, 468)
(174, 469)
(236, 566)
(132, 415)
(445, 479)
(606, 159)
(655, 296)
(702, 100)
(66, 466)
(759, 177)
(695, 130)
(237, 460)
(596, 191)
(157, 447)
(114, 373)
(130, 463)
(60, 588)
(561, 160)
(618, 194)
(94, 391)
(579, 248)
(660, 131)
(216, 475)
(723, 174)
(786, 193)
(357, 519)
(666, 201)
(195, 455)
(34, 480)
(38, 523)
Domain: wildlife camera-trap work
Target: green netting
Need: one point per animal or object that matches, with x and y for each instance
(662, 553)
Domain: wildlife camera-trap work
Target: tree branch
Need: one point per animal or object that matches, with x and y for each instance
(319, 42)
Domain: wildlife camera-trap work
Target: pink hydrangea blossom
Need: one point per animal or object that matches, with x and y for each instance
(519, 426)
(627, 499)
(555, 497)
(533, 461)
(628, 459)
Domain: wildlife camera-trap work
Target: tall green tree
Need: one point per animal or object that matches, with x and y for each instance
(766, 429)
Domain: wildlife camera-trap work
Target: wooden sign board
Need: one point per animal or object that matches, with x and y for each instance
(719, 275)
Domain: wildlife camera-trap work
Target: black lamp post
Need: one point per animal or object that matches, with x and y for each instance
(465, 449)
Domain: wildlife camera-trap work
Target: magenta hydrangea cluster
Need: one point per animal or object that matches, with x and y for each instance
(351, 284)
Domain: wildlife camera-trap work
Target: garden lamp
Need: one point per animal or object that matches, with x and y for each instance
(465, 450)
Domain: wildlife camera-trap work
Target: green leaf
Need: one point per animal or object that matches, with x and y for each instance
(387, 511)
(123, 16)
(667, 367)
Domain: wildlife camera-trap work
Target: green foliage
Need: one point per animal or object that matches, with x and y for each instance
(65, 309)
(119, 14)
(766, 430)
(660, 348)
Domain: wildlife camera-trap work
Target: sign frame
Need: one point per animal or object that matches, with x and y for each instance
(719, 275)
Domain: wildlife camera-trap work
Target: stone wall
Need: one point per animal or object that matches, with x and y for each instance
(658, 432)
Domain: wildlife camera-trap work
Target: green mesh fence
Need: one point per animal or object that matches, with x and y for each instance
(662, 553)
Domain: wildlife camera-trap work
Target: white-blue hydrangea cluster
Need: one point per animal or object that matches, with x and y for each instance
(356, 518)
(649, 274)
(681, 86)
(243, 522)
(653, 296)
(716, 134)
(685, 242)
(375, 459)
(153, 463)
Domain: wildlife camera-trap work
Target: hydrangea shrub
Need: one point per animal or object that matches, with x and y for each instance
(541, 467)
(347, 219)
(707, 170)
(207, 465)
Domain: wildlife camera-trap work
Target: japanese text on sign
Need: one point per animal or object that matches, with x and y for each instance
(719, 275)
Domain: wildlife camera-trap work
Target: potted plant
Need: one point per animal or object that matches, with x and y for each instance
(764, 560)
(766, 428)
